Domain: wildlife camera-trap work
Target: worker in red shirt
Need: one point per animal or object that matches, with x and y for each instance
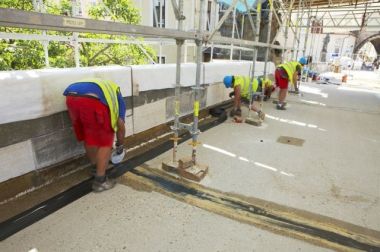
(285, 73)
(97, 111)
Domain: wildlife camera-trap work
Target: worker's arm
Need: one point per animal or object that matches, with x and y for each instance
(120, 133)
(295, 78)
(237, 98)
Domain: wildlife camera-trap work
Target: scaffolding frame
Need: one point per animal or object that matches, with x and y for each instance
(43, 21)
(200, 37)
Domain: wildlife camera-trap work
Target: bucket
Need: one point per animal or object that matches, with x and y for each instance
(344, 78)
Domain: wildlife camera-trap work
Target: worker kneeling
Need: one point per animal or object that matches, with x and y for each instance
(244, 90)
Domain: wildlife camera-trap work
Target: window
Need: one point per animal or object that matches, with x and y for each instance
(163, 59)
(159, 13)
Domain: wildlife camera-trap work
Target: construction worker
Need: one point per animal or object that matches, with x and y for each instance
(241, 87)
(97, 111)
(285, 73)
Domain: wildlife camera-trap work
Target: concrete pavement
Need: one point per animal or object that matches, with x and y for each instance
(334, 173)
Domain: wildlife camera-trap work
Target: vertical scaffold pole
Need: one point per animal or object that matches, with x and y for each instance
(75, 10)
(256, 35)
(39, 6)
(177, 91)
(198, 42)
(297, 32)
(233, 32)
(268, 40)
(254, 58)
(306, 38)
(301, 24)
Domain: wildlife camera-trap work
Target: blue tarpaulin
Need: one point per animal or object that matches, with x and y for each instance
(240, 6)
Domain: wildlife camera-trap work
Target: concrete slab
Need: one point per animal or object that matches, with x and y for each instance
(335, 173)
(123, 219)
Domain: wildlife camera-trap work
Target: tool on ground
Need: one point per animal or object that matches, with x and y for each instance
(117, 154)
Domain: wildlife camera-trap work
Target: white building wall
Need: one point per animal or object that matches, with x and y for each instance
(42, 96)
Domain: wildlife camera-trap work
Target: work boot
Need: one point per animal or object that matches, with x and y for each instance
(281, 107)
(102, 186)
(261, 115)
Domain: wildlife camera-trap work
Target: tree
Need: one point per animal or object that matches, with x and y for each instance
(19, 54)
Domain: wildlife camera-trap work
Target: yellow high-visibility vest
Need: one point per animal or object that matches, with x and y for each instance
(265, 82)
(290, 68)
(110, 90)
(243, 82)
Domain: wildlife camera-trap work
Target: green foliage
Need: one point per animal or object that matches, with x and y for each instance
(20, 54)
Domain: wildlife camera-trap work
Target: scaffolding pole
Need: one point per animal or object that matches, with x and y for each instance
(296, 34)
(233, 32)
(254, 58)
(177, 91)
(268, 39)
(307, 32)
(287, 23)
(197, 88)
(300, 29)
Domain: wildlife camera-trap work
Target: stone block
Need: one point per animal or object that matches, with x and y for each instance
(196, 172)
(185, 162)
(56, 147)
(15, 132)
(16, 160)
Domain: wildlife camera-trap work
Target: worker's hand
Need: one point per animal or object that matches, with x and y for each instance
(235, 112)
(119, 148)
(232, 94)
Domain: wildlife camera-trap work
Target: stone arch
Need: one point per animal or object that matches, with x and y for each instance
(364, 37)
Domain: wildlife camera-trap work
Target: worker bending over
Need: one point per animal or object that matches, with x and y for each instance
(97, 111)
(242, 86)
(285, 73)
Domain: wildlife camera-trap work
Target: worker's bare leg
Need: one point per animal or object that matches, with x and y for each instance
(257, 110)
(91, 153)
(102, 158)
(282, 95)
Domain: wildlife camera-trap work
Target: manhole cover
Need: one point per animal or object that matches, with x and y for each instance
(291, 140)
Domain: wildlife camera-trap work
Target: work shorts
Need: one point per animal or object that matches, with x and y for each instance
(281, 78)
(91, 121)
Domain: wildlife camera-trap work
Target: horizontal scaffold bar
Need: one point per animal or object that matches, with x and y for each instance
(43, 21)
(35, 20)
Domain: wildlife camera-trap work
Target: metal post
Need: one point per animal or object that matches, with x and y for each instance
(257, 35)
(307, 32)
(177, 91)
(195, 131)
(233, 32)
(306, 39)
(296, 31)
(268, 39)
(160, 53)
(75, 13)
(39, 6)
(242, 33)
(212, 52)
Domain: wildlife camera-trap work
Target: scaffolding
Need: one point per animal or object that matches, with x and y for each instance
(289, 15)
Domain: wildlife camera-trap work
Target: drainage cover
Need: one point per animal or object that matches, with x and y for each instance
(291, 140)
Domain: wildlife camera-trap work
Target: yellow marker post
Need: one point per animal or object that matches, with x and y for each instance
(176, 108)
(196, 108)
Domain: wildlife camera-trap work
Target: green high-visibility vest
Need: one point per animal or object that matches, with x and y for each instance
(110, 91)
(290, 68)
(243, 82)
